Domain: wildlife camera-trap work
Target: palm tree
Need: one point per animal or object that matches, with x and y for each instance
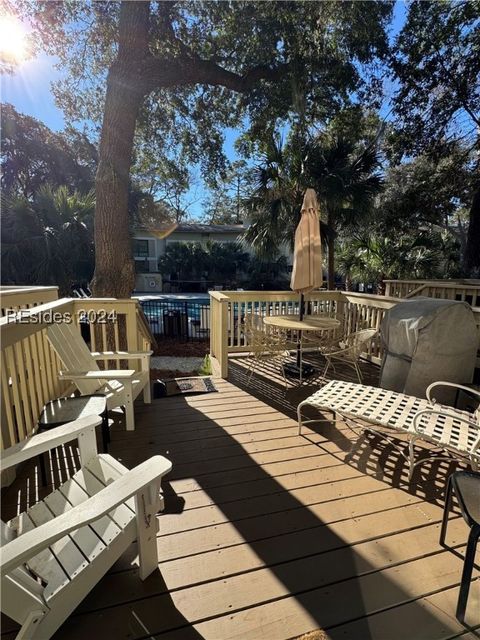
(48, 240)
(346, 180)
(344, 177)
(274, 206)
(350, 262)
(216, 261)
(226, 261)
(370, 257)
(183, 260)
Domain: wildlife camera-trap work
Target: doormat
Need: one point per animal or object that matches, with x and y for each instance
(182, 386)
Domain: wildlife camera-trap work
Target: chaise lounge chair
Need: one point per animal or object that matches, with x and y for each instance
(452, 430)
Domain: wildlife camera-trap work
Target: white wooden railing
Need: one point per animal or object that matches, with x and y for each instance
(25, 297)
(464, 290)
(29, 365)
(228, 309)
(355, 311)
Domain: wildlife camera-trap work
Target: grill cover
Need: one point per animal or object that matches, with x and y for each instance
(426, 340)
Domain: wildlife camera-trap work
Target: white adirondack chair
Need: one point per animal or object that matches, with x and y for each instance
(121, 386)
(55, 552)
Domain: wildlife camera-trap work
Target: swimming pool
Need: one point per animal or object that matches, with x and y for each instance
(180, 317)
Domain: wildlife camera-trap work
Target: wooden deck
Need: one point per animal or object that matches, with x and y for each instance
(268, 535)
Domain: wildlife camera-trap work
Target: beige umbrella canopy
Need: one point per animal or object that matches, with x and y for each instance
(307, 264)
(307, 254)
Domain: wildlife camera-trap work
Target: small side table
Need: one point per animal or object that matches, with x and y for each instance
(58, 412)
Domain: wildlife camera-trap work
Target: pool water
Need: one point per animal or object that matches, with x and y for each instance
(180, 317)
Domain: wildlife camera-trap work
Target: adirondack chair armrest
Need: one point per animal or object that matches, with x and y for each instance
(19, 550)
(454, 385)
(120, 355)
(43, 442)
(107, 374)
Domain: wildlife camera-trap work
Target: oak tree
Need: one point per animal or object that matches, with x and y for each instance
(436, 63)
(182, 71)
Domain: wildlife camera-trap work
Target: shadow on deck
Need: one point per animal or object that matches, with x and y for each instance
(268, 535)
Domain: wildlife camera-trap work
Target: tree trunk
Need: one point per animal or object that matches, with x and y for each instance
(114, 267)
(381, 285)
(331, 253)
(134, 74)
(472, 250)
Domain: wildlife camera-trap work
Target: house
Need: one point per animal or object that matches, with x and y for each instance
(150, 245)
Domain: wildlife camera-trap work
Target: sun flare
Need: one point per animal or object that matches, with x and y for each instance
(13, 42)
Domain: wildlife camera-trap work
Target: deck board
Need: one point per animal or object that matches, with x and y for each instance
(267, 535)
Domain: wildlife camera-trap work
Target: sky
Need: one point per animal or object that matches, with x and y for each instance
(29, 90)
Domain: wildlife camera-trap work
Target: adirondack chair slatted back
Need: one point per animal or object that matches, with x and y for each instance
(45, 565)
(74, 353)
(20, 590)
(64, 560)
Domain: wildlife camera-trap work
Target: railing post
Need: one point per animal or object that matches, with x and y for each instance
(223, 356)
(131, 328)
(219, 333)
(213, 326)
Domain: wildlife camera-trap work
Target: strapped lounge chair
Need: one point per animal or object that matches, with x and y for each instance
(54, 553)
(121, 386)
(453, 430)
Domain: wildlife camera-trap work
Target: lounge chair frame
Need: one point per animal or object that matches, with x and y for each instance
(454, 432)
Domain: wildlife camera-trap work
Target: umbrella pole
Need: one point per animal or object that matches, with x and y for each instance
(299, 339)
(302, 306)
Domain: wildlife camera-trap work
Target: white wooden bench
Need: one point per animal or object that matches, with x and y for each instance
(453, 430)
(56, 551)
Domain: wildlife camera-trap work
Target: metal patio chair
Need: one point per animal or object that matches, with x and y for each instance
(350, 349)
(264, 344)
(466, 487)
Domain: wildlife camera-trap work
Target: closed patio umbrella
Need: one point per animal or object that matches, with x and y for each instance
(307, 271)
(307, 253)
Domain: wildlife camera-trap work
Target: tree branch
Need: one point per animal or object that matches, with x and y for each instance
(161, 73)
(457, 88)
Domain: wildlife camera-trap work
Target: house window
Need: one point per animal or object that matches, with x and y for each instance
(142, 266)
(140, 248)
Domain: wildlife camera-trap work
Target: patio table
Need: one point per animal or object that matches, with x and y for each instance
(293, 322)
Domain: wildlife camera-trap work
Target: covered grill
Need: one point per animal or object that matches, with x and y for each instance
(426, 340)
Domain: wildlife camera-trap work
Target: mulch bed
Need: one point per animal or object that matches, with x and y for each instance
(172, 347)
